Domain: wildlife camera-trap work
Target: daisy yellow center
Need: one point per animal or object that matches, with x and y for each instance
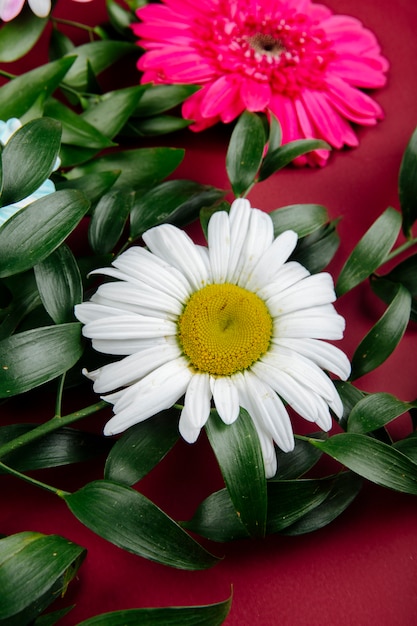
(224, 329)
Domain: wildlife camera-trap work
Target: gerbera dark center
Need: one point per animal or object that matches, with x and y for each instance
(224, 329)
(266, 44)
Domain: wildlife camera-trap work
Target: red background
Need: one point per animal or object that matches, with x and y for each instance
(362, 569)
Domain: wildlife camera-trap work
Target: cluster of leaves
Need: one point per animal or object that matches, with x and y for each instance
(120, 193)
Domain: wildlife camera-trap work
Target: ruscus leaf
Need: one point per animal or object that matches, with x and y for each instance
(244, 154)
(19, 35)
(407, 184)
(375, 411)
(283, 155)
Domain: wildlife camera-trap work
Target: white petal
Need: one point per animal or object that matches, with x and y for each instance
(272, 260)
(219, 245)
(226, 398)
(129, 326)
(325, 355)
(154, 393)
(259, 237)
(144, 300)
(270, 411)
(119, 347)
(41, 8)
(196, 407)
(289, 274)
(239, 217)
(320, 322)
(176, 247)
(314, 290)
(132, 368)
(87, 312)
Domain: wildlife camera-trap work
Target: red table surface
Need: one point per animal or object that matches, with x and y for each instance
(361, 569)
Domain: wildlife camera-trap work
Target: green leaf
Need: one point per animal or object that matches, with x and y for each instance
(21, 93)
(62, 447)
(315, 251)
(302, 218)
(34, 357)
(29, 158)
(244, 154)
(349, 396)
(384, 337)
(59, 44)
(110, 112)
(345, 488)
(108, 220)
(128, 519)
(97, 55)
(120, 19)
(50, 619)
(143, 167)
(75, 129)
(375, 411)
(32, 233)
(408, 446)
(19, 35)
(216, 519)
(275, 133)
(173, 201)
(407, 183)
(374, 460)
(25, 299)
(59, 283)
(208, 615)
(280, 157)
(34, 570)
(404, 273)
(370, 252)
(141, 448)
(239, 455)
(154, 126)
(93, 186)
(160, 98)
(296, 463)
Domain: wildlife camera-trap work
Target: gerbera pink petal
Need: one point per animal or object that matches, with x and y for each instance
(10, 8)
(329, 124)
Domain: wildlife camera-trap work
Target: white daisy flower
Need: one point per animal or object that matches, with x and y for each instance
(235, 324)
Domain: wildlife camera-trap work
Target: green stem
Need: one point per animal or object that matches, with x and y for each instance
(60, 20)
(53, 424)
(33, 481)
(58, 405)
(408, 244)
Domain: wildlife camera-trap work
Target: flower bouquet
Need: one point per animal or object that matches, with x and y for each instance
(144, 309)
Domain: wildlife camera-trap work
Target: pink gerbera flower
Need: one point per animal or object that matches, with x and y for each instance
(293, 58)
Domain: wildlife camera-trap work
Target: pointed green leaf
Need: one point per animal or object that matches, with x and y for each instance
(408, 446)
(239, 455)
(93, 186)
(370, 252)
(59, 283)
(384, 337)
(173, 201)
(98, 55)
(62, 447)
(34, 570)
(160, 98)
(25, 299)
(280, 157)
(29, 158)
(208, 615)
(244, 154)
(34, 357)
(302, 218)
(216, 519)
(404, 273)
(128, 519)
(154, 126)
(375, 411)
(110, 112)
(345, 488)
(109, 219)
(120, 19)
(52, 618)
(19, 35)
(374, 460)
(144, 167)
(141, 448)
(75, 129)
(315, 251)
(349, 396)
(275, 133)
(297, 462)
(19, 94)
(32, 233)
(407, 183)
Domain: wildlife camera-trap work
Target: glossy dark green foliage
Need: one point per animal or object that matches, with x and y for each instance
(34, 570)
(154, 126)
(375, 411)
(24, 299)
(304, 219)
(297, 462)
(28, 159)
(117, 512)
(370, 252)
(239, 455)
(208, 615)
(281, 156)
(34, 357)
(315, 251)
(59, 283)
(62, 447)
(174, 201)
(408, 446)
(404, 273)
(244, 154)
(372, 459)
(93, 186)
(385, 335)
(21, 93)
(120, 19)
(160, 98)
(350, 396)
(19, 35)
(32, 233)
(141, 448)
(109, 220)
(52, 618)
(407, 185)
